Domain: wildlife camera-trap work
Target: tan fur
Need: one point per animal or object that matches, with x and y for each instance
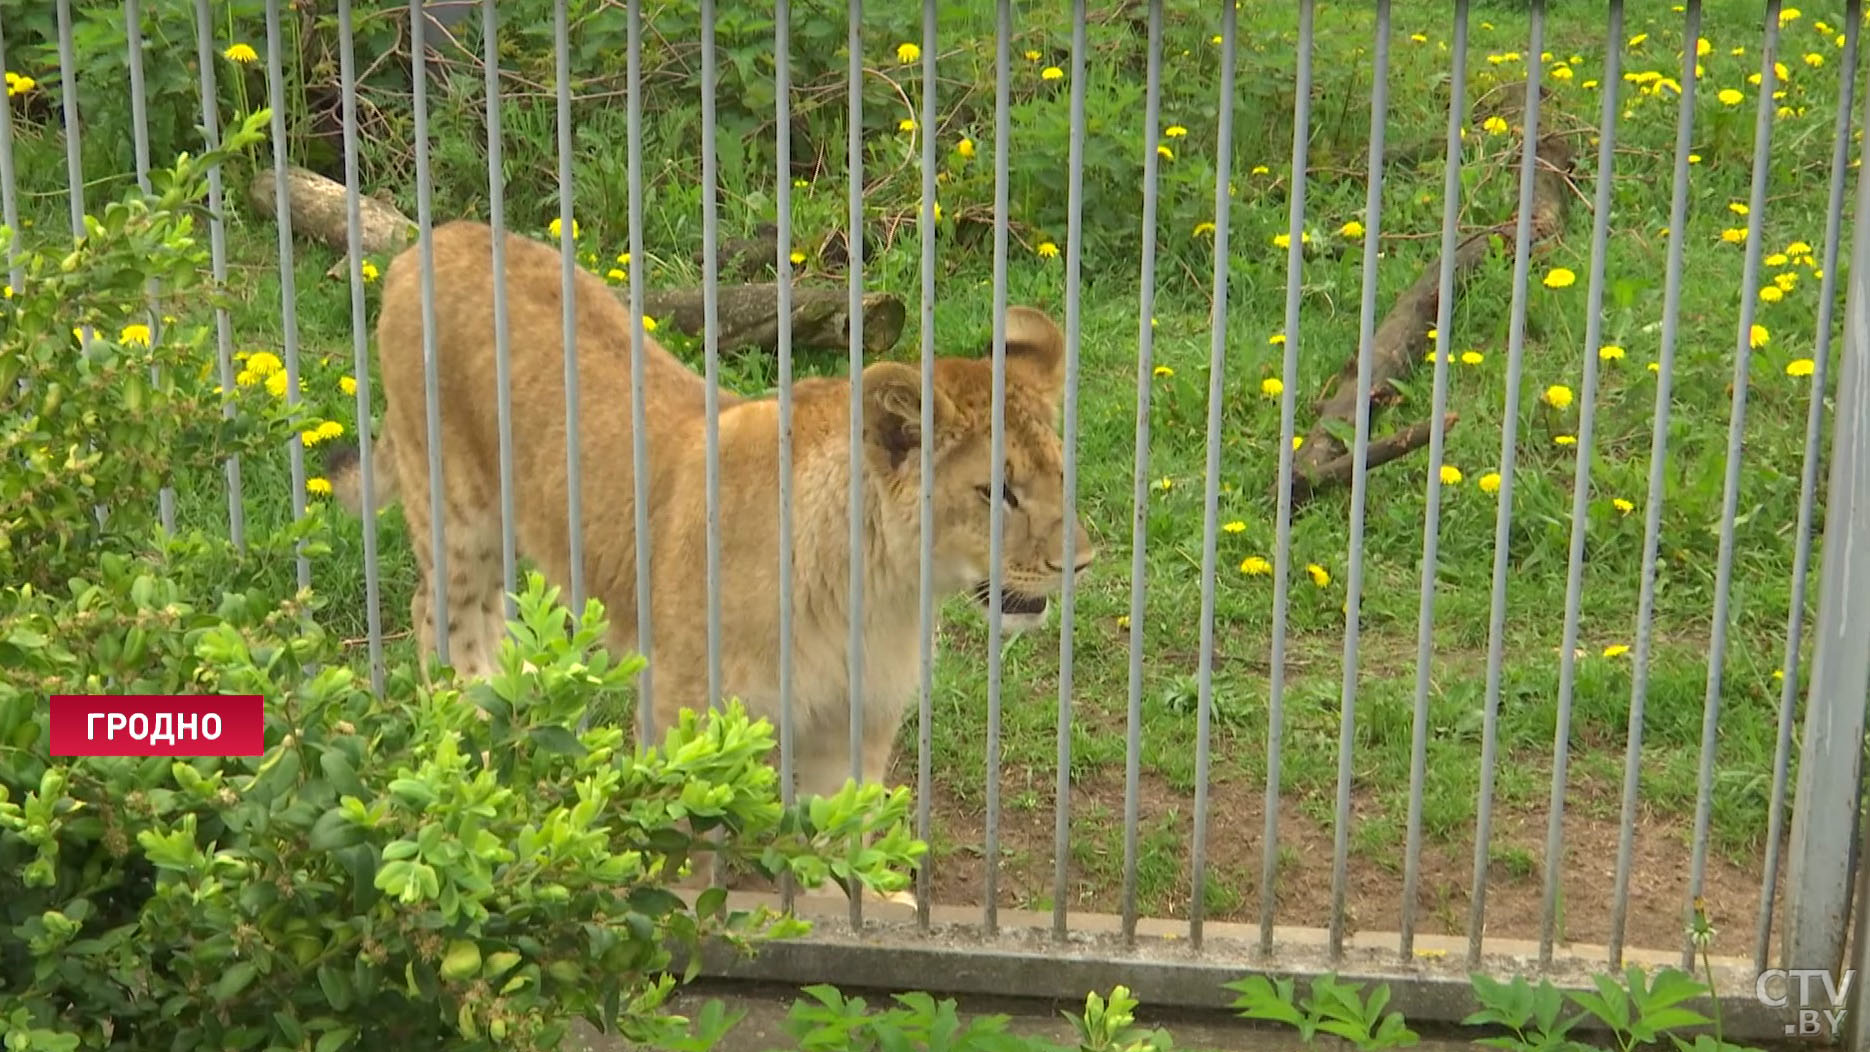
(749, 493)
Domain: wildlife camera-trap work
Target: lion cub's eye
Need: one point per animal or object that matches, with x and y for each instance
(1006, 492)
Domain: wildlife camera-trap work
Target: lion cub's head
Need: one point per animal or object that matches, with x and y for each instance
(1034, 524)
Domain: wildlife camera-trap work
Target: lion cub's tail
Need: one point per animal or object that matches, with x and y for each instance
(344, 470)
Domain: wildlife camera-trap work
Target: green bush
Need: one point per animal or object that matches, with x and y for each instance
(399, 869)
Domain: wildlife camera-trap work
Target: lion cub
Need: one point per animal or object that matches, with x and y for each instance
(1033, 540)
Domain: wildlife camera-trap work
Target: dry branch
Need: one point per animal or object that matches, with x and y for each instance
(1401, 342)
(748, 314)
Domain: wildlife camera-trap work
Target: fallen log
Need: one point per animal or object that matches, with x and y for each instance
(748, 314)
(1401, 342)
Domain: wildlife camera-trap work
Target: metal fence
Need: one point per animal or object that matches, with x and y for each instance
(978, 946)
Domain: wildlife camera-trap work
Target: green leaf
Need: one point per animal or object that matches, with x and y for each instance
(557, 740)
(235, 979)
(333, 1040)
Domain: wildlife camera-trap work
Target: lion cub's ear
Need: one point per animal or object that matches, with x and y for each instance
(1036, 346)
(893, 410)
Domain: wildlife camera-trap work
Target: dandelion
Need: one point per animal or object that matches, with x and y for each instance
(1734, 235)
(1610, 352)
(1561, 72)
(965, 148)
(556, 229)
(1165, 484)
(1450, 475)
(241, 53)
(1758, 337)
(1285, 240)
(1798, 248)
(1494, 126)
(347, 384)
(1637, 40)
(264, 364)
(1203, 228)
(1800, 367)
(1420, 38)
(1777, 259)
(1258, 169)
(1254, 566)
(1175, 131)
(907, 53)
(276, 385)
(1565, 440)
(1277, 339)
(1490, 482)
(1558, 396)
(1560, 278)
(1051, 73)
(1772, 294)
(369, 271)
(1472, 357)
(1272, 386)
(796, 257)
(1235, 526)
(1623, 507)
(318, 487)
(19, 84)
(1786, 281)
(1654, 367)
(1320, 576)
(938, 211)
(1616, 650)
(1297, 441)
(907, 124)
(1032, 56)
(246, 378)
(1047, 250)
(1165, 153)
(1702, 47)
(1737, 208)
(1352, 229)
(1814, 59)
(616, 274)
(134, 334)
(649, 323)
(1788, 14)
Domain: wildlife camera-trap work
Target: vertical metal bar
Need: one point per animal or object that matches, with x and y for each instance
(1581, 483)
(1074, 261)
(1282, 555)
(925, 711)
(1825, 809)
(854, 648)
(1658, 456)
(639, 436)
(782, 198)
(360, 340)
(502, 345)
(1437, 447)
(568, 309)
(288, 280)
(431, 370)
(1857, 999)
(139, 135)
(1360, 456)
(1808, 478)
(996, 542)
(68, 92)
(1503, 520)
(711, 344)
(1210, 529)
(1139, 520)
(9, 188)
(217, 250)
(1736, 453)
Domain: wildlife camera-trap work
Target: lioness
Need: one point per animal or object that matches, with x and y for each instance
(749, 494)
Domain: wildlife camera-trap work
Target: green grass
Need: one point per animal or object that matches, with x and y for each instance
(1170, 630)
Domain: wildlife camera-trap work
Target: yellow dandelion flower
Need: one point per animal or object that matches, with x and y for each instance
(1165, 153)
(1494, 126)
(1235, 526)
(1558, 396)
(1565, 440)
(1047, 250)
(265, 363)
(1798, 248)
(555, 229)
(1787, 281)
(1734, 235)
(1320, 576)
(1352, 229)
(1730, 97)
(1490, 482)
(649, 323)
(1175, 131)
(1623, 506)
(1163, 372)
(1616, 650)
(247, 378)
(1637, 40)
(241, 53)
(1800, 367)
(1258, 169)
(1051, 73)
(276, 385)
(965, 147)
(1297, 441)
(1272, 386)
(907, 53)
(1165, 484)
(134, 334)
(1772, 294)
(1777, 259)
(1560, 278)
(1758, 336)
(318, 487)
(1032, 56)
(1450, 475)
(1276, 339)
(1254, 566)
(1561, 73)
(1737, 208)
(1285, 240)
(1610, 352)
(796, 257)
(369, 271)
(1814, 59)
(1654, 367)
(347, 384)
(616, 274)
(19, 84)
(1420, 38)
(907, 124)
(1203, 227)
(330, 429)
(1788, 14)
(1472, 357)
